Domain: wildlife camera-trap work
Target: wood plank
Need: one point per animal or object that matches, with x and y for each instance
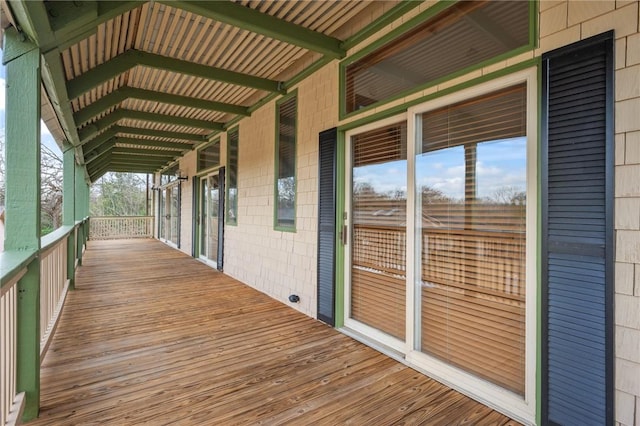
(152, 336)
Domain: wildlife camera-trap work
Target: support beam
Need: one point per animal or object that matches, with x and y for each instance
(33, 19)
(22, 232)
(68, 208)
(131, 58)
(96, 139)
(151, 143)
(262, 23)
(116, 97)
(124, 114)
(147, 152)
(72, 21)
(191, 137)
(99, 152)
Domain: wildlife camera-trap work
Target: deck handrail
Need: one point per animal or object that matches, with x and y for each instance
(120, 227)
(10, 402)
(60, 252)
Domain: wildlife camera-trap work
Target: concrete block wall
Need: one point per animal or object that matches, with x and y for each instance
(562, 23)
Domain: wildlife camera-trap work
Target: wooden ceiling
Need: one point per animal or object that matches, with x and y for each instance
(133, 85)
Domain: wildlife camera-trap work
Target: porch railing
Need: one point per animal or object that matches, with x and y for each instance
(54, 281)
(120, 227)
(10, 402)
(60, 253)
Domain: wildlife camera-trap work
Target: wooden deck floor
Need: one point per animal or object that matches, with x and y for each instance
(152, 336)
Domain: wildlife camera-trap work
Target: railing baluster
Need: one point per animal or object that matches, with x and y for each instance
(120, 227)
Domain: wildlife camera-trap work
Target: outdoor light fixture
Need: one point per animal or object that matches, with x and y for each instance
(179, 175)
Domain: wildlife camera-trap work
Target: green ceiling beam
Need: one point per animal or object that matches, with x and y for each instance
(94, 139)
(100, 151)
(137, 158)
(149, 152)
(101, 162)
(99, 139)
(262, 23)
(191, 137)
(129, 59)
(151, 143)
(123, 93)
(109, 120)
(73, 21)
(33, 20)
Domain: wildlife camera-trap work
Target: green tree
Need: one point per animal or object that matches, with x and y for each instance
(119, 194)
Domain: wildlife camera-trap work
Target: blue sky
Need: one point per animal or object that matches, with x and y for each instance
(499, 164)
(45, 135)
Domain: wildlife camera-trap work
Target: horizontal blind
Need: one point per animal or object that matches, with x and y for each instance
(473, 241)
(465, 34)
(379, 232)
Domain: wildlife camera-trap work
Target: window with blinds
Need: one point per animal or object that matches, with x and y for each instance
(209, 156)
(285, 168)
(471, 222)
(461, 36)
(232, 177)
(379, 212)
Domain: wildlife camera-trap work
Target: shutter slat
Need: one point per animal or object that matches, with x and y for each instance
(576, 234)
(327, 157)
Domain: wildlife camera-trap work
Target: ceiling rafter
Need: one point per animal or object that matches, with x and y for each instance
(121, 94)
(252, 20)
(131, 58)
(73, 21)
(121, 114)
(98, 139)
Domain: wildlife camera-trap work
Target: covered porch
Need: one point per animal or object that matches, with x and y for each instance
(153, 336)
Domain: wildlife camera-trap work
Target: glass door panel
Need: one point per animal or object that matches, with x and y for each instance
(377, 281)
(211, 189)
(470, 228)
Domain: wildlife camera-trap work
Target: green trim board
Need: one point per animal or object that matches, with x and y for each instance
(154, 143)
(401, 108)
(121, 94)
(264, 24)
(131, 58)
(394, 13)
(409, 25)
(277, 225)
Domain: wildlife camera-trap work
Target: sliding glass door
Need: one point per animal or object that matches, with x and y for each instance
(211, 218)
(169, 203)
(440, 254)
(377, 274)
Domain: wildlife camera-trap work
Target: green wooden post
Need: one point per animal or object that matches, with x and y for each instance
(22, 59)
(79, 212)
(69, 209)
